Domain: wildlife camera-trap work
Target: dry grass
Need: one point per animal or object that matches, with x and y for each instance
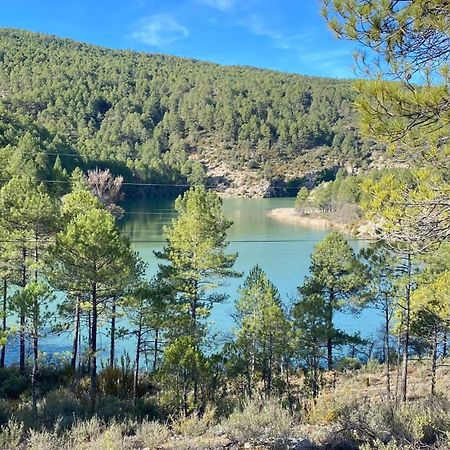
(370, 382)
(351, 412)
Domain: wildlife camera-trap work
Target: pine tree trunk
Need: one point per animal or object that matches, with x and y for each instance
(444, 345)
(397, 378)
(137, 361)
(314, 387)
(93, 349)
(4, 322)
(269, 366)
(34, 375)
(76, 332)
(330, 329)
(405, 348)
(22, 318)
(387, 351)
(34, 371)
(112, 348)
(249, 379)
(89, 340)
(185, 392)
(155, 350)
(434, 360)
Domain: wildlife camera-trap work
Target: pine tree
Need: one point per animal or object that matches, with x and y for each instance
(336, 276)
(29, 217)
(380, 292)
(90, 257)
(263, 333)
(195, 252)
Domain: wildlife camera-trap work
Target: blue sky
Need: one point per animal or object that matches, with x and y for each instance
(286, 35)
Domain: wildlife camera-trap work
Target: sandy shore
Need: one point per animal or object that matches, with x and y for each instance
(290, 215)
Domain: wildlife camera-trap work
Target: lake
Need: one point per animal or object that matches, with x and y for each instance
(282, 250)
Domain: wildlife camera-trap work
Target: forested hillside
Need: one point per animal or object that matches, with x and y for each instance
(162, 119)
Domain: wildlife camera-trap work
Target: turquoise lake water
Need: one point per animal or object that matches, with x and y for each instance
(286, 262)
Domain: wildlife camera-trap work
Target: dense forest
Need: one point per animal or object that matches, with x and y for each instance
(163, 119)
(78, 124)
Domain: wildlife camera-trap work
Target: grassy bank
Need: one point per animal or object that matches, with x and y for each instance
(351, 412)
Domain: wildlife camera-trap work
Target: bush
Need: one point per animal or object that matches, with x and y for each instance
(43, 440)
(348, 364)
(12, 385)
(323, 410)
(259, 420)
(114, 381)
(195, 425)
(153, 434)
(109, 407)
(11, 435)
(111, 439)
(416, 424)
(61, 405)
(86, 431)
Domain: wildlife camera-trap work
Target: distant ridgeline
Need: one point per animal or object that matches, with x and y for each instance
(167, 120)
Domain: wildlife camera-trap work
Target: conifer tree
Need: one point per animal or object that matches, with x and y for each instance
(30, 218)
(195, 253)
(263, 333)
(336, 276)
(91, 257)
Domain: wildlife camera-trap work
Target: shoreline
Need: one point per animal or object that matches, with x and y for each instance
(290, 215)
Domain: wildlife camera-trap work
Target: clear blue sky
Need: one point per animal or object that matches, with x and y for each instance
(286, 35)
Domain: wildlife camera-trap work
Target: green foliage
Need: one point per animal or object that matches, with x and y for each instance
(407, 210)
(301, 198)
(336, 276)
(408, 42)
(90, 250)
(182, 369)
(143, 115)
(12, 384)
(195, 251)
(262, 338)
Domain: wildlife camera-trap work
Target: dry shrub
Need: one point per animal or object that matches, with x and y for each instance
(417, 424)
(195, 424)
(11, 435)
(86, 431)
(153, 435)
(323, 410)
(259, 420)
(43, 440)
(112, 438)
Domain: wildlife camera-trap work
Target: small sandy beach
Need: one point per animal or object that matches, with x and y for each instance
(290, 215)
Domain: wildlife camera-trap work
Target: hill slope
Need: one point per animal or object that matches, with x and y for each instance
(164, 119)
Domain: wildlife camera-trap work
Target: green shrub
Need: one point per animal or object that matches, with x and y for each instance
(348, 364)
(61, 405)
(114, 381)
(109, 407)
(12, 385)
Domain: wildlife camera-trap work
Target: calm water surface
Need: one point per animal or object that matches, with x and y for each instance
(286, 263)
